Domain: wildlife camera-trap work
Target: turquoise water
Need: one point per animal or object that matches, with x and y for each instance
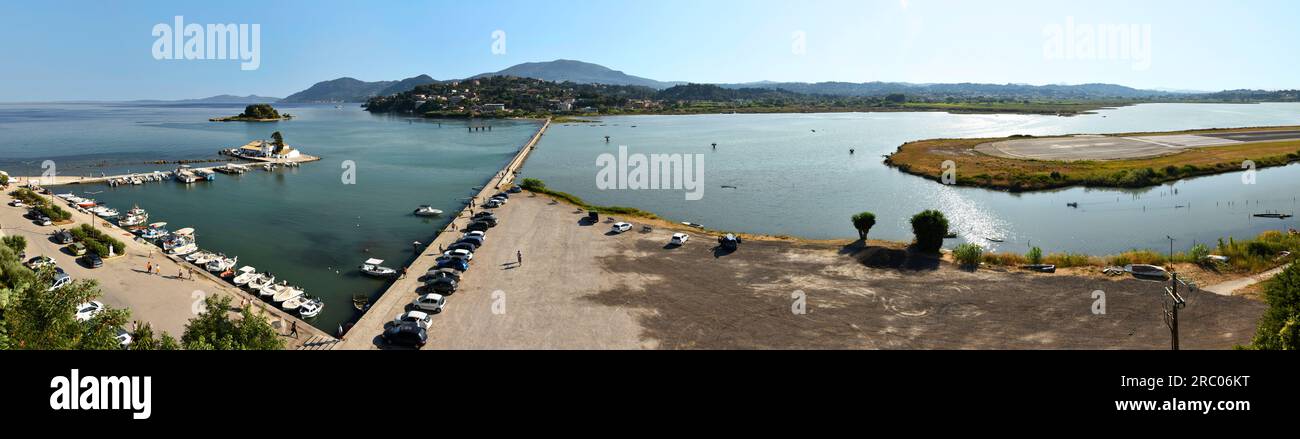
(303, 224)
(793, 175)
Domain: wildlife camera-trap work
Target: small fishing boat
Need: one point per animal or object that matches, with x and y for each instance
(155, 231)
(1041, 268)
(292, 305)
(284, 294)
(310, 308)
(691, 224)
(184, 249)
(373, 268)
(1147, 271)
(200, 257)
(427, 210)
(261, 281)
(86, 203)
(245, 275)
(221, 263)
(105, 212)
(1272, 215)
(134, 217)
(271, 289)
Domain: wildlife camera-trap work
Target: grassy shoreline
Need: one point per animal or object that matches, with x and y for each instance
(1245, 257)
(924, 158)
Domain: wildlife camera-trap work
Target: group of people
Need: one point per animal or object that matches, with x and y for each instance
(156, 269)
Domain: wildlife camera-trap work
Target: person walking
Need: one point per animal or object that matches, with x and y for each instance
(148, 267)
(519, 256)
(293, 329)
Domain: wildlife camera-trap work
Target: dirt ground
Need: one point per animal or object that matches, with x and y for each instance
(583, 287)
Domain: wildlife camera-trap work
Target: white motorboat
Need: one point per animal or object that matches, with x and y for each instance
(184, 249)
(427, 210)
(310, 308)
(261, 281)
(271, 289)
(245, 275)
(105, 212)
(372, 267)
(201, 257)
(221, 263)
(292, 305)
(286, 293)
(154, 232)
(134, 217)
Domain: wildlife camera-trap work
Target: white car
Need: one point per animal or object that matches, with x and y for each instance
(621, 227)
(60, 280)
(124, 338)
(459, 254)
(499, 199)
(89, 310)
(679, 239)
(430, 302)
(493, 203)
(418, 317)
(476, 233)
(17, 203)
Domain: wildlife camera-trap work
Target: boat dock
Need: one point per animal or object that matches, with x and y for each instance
(366, 331)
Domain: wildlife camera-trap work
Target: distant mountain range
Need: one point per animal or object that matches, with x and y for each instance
(219, 99)
(353, 90)
(564, 70)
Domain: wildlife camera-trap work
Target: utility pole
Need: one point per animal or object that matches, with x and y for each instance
(1171, 249)
(1171, 310)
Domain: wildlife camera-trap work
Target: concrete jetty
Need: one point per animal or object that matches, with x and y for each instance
(364, 334)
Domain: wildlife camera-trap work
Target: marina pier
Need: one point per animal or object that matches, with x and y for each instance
(392, 302)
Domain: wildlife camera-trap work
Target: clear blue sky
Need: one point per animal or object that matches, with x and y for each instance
(67, 50)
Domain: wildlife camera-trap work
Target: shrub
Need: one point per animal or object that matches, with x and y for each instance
(1199, 254)
(863, 223)
(1067, 260)
(1035, 255)
(533, 184)
(16, 243)
(968, 255)
(1279, 327)
(1004, 259)
(1141, 257)
(930, 227)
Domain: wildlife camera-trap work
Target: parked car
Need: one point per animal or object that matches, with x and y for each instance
(406, 335)
(94, 261)
(462, 246)
(481, 215)
(480, 235)
(459, 254)
(418, 317)
(77, 249)
(501, 195)
(432, 303)
(454, 264)
(17, 203)
(44, 220)
(124, 338)
(475, 243)
(441, 272)
(63, 236)
(481, 226)
(493, 203)
(620, 227)
(515, 189)
(499, 198)
(593, 217)
(38, 262)
(443, 285)
(60, 280)
(679, 239)
(729, 241)
(89, 310)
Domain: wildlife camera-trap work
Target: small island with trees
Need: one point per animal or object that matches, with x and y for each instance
(255, 113)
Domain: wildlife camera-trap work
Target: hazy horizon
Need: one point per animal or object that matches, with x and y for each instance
(88, 51)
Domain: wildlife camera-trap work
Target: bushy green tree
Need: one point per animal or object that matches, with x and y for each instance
(277, 139)
(1279, 327)
(930, 227)
(142, 339)
(36, 318)
(533, 184)
(863, 222)
(213, 329)
(16, 243)
(1035, 255)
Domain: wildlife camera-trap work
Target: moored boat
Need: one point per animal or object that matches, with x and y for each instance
(310, 308)
(245, 275)
(427, 210)
(373, 268)
(284, 294)
(261, 281)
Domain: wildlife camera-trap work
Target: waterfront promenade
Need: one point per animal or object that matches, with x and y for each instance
(166, 300)
(364, 334)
